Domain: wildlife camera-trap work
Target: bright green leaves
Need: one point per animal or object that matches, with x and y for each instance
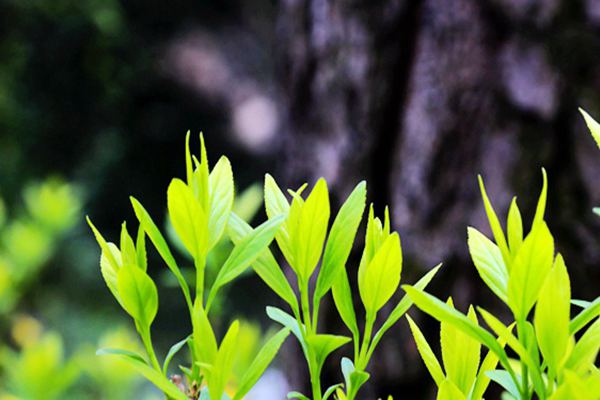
(379, 278)
(188, 218)
(309, 221)
(460, 354)
(221, 193)
(552, 315)
(138, 294)
(200, 210)
(530, 268)
(592, 125)
(429, 358)
(488, 261)
(340, 239)
(245, 253)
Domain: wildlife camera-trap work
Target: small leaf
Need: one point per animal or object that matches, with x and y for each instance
(265, 265)
(188, 217)
(140, 247)
(161, 246)
(381, 277)
(488, 262)
(297, 395)
(460, 353)
(290, 322)
(585, 352)
(323, 345)
(504, 379)
(340, 240)
(138, 294)
(585, 316)
(514, 228)
(205, 343)
(552, 314)
(245, 253)
(592, 125)
(443, 312)
(354, 378)
(277, 204)
(342, 297)
(530, 268)
(541, 205)
(449, 391)
(220, 200)
(495, 225)
(308, 236)
(217, 378)
(128, 252)
(174, 350)
(331, 390)
(430, 360)
(262, 360)
(402, 307)
(159, 380)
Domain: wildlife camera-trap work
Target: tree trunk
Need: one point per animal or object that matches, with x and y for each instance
(418, 97)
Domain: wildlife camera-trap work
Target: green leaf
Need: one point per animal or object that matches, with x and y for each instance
(596, 210)
(128, 252)
(585, 352)
(541, 205)
(188, 218)
(460, 353)
(495, 225)
(289, 322)
(331, 390)
(138, 294)
(342, 297)
(504, 332)
(277, 204)
(245, 253)
(552, 314)
(354, 378)
(444, 313)
(482, 381)
(381, 277)
(174, 350)
(140, 246)
(220, 200)
(161, 246)
(219, 375)
(340, 240)
(592, 125)
(323, 345)
(430, 360)
(308, 235)
(402, 307)
(514, 228)
(504, 379)
(159, 380)
(449, 391)
(109, 271)
(585, 316)
(488, 262)
(297, 395)
(265, 264)
(530, 268)
(205, 343)
(266, 354)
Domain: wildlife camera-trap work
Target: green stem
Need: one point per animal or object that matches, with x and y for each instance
(361, 362)
(147, 341)
(200, 265)
(524, 370)
(305, 306)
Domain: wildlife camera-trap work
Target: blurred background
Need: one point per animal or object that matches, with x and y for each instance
(415, 96)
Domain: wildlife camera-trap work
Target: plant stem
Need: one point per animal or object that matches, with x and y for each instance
(200, 265)
(524, 371)
(362, 360)
(147, 340)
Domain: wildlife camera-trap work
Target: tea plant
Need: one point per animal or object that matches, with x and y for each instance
(462, 375)
(526, 275)
(301, 239)
(200, 210)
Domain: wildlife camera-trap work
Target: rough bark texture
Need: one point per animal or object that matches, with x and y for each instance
(419, 96)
